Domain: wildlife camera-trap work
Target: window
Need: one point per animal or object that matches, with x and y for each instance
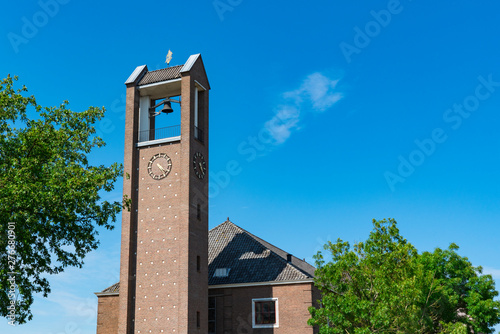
(222, 272)
(265, 313)
(211, 315)
(198, 263)
(198, 320)
(199, 109)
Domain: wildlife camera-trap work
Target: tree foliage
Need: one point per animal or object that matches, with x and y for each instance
(49, 190)
(383, 285)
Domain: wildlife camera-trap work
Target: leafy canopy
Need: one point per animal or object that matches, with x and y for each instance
(383, 285)
(50, 191)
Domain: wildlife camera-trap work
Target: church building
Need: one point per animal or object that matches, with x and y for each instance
(176, 276)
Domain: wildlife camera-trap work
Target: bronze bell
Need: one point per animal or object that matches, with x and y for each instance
(167, 108)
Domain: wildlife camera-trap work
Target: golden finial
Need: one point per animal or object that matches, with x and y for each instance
(169, 57)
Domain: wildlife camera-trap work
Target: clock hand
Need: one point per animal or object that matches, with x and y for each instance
(201, 167)
(160, 167)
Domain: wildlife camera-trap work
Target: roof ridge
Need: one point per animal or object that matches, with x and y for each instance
(165, 68)
(112, 288)
(227, 222)
(266, 245)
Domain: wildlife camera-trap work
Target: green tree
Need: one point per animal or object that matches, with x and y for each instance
(383, 285)
(49, 191)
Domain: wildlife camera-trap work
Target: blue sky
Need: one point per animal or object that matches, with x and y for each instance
(323, 115)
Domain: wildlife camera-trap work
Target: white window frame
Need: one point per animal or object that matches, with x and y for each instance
(276, 307)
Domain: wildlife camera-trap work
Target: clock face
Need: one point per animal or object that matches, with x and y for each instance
(159, 166)
(199, 165)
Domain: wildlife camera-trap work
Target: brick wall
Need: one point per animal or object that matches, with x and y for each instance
(107, 314)
(234, 308)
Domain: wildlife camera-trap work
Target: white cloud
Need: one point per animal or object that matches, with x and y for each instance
(495, 273)
(280, 126)
(316, 93)
(101, 263)
(75, 305)
(319, 90)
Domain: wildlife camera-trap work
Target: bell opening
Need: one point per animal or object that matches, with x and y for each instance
(168, 114)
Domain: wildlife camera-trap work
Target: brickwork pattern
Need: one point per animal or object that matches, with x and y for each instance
(160, 237)
(234, 308)
(107, 314)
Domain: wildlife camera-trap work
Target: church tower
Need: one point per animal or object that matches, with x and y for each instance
(164, 254)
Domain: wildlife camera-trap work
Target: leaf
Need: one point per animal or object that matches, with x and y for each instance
(383, 285)
(49, 190)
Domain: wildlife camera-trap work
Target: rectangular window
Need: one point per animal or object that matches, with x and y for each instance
(198, 263)
(222, 272)
(265, 313)
(211, 315)
(196, 111)
(198, 320)
(199, 112)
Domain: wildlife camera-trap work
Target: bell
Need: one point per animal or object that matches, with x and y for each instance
(167, 108)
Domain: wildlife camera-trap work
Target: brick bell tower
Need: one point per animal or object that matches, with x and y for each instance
(164, 254)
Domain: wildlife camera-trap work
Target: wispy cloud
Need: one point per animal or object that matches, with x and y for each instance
(317, 89)
(74, 305)
(317, 93)
(101, 263)
(72, 296)
(280, 126)
(495, 273)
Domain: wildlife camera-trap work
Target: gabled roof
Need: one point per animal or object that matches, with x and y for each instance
(190, 62)
(248, 259)
(164, 74)
(142, 76)
(112, 290)
(139, 71)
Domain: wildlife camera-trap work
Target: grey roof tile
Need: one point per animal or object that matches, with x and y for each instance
(115, 288)
(164, 74)
(250, 259)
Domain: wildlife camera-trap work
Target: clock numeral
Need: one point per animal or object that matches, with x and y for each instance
(199, 165)
(159, 166)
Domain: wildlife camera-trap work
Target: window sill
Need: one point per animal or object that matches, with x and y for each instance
(158, 141)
